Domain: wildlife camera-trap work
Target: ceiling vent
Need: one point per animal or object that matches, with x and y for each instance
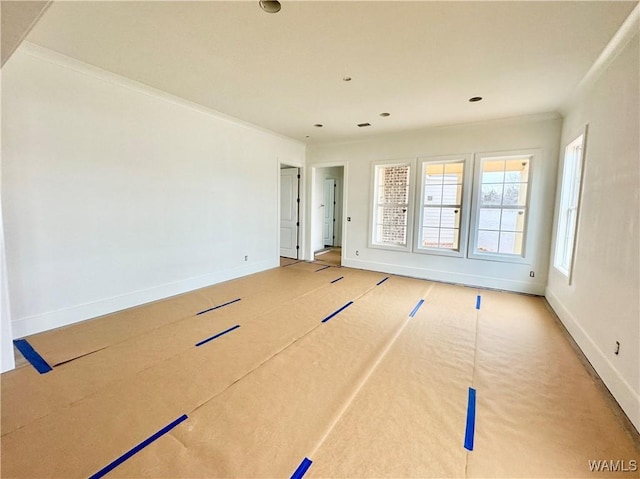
(362, 125)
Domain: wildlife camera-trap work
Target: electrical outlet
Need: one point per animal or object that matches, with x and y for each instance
(246, 258)
(357, 253)
(349, 218)
(532, 274)
(617, 351)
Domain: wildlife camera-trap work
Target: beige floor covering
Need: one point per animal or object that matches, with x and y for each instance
(332, 257)
(370, 393)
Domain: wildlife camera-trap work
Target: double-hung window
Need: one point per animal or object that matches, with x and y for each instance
(442, 206)
(501, 206)
(569, 203)
(392, 209)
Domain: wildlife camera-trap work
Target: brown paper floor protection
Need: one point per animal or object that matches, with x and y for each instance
(372, 392)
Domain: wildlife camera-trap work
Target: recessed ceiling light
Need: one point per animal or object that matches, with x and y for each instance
(318, 125)
(475, 99)
(361, 125)
(346, 78)
(270, 6)
(385, 114)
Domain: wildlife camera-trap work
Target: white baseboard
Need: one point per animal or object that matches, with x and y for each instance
(22, 327)
(449, 277)
(626, 397)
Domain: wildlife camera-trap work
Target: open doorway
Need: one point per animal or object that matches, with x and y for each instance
(327, 207)
(289, 213)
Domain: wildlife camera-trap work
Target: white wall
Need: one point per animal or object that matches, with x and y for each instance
(320, 175)
(601, 306)
(539, 132)
(114, 194)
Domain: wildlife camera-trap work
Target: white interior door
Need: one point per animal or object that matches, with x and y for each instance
(329, 211)
(289, 212)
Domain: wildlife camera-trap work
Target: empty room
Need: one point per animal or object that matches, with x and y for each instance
(338, 239)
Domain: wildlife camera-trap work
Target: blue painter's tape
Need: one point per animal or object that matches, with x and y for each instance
(302, 468)
(337, 279)
(32, 356)
(108, 468)
(478, 302)
(325, 267)
(471, 420)
(337, 312)
(219, 306)
(415, 310)
(205, 341)
(382, 281)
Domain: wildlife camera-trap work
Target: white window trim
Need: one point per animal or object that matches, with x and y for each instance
(372, 203)
(534, 156)
(569, 271)
(465, 204)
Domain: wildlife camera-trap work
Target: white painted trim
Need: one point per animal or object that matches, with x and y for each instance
(627, 398)
(78, 66)
(618, 42)
(449, 277)
(63, 317)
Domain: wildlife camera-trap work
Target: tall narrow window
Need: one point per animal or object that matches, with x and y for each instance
(391, 206)
(440, 219)
(502, 206)
(569, 202)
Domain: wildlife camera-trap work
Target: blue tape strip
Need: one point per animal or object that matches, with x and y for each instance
(325, 267)
(471, 420)
(337, 279)
(302, 468)
(478, 302)
(138, 448)
(415, 310)
(205, 341)
(219, 306)
(32, 356)
(382, 281)
(337, 312)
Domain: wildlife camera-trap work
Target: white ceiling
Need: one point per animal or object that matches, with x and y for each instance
(421, 61)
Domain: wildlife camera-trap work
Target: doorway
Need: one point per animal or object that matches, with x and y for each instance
(327, 209)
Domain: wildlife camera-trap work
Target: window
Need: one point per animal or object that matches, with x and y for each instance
(501, 208)
(569, 202)
(391, 206)
(441, 218)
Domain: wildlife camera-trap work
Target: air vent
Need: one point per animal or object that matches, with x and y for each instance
(362, 125)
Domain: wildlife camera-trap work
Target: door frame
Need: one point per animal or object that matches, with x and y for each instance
(310, 188)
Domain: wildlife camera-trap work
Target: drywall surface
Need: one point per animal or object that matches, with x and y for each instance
(539, 132)
(115, 194)
(320, 175)
(601, 307)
